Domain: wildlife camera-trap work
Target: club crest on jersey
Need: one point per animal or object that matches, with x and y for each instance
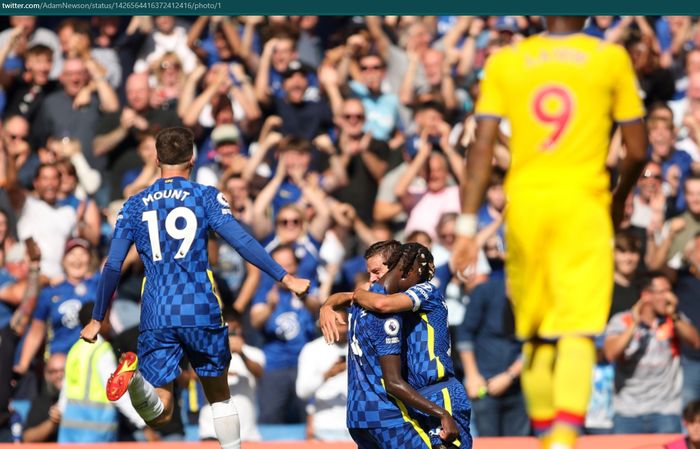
(391, 327)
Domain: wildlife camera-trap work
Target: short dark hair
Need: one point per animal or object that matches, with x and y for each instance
(294, 143)
(285, 247)
(78, 26)
(385, 248)
(691, 411)
(626, 241)
(175, 145)
(646, 280)
(85, 314)
(44, 165)
(38, 50)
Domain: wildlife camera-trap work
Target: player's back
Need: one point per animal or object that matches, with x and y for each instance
(560, 94)
(426, 331)
(169, 223)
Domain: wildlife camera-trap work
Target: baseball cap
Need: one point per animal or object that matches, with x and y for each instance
(75, 243)
(224, 133)
(295, 67)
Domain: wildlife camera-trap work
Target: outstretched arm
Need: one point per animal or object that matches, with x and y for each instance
(376, 302)
(397, 387)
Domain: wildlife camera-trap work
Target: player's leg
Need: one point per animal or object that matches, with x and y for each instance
(536, 382)
(408, 435)
(581, 279)
(208, 351)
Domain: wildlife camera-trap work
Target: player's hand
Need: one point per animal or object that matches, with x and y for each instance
(463, 261)
(449, 431)
(329, 320)
(89, 332)
(497, 385)
(475, 385)
(296, 285)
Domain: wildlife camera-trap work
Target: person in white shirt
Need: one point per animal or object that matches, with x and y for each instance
(247, 364)
(323, 380)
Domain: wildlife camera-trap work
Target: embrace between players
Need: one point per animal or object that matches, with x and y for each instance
(402, 391)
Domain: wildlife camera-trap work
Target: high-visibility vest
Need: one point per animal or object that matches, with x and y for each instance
(89, 416)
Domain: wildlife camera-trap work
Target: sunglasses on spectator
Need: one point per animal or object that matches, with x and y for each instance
(649, 174)
(354, 116)
(289, 222)
(366, 68)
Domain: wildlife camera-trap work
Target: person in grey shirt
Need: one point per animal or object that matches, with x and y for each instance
(31, 36)
(644, 345)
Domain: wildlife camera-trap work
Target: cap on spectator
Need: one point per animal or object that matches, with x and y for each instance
(224, 134)
(75, 243)
(295, 67)
(507, 23)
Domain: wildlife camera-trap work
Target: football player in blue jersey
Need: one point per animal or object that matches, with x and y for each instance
(180, 307)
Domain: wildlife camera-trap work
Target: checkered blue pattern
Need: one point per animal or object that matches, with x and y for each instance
(160, 351)
(461, 409)
(177, 291)
(371, 336)
(429, 304)
(402, 436)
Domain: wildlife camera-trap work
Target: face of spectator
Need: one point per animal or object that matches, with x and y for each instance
(437, 173)
(108, 25)
(286, 260)
(76, 263)
(47, 183)
(429, 120)
(16, 132)
(295, 87)
(68, 182)
(147, 149)
(237, 193)
(650, 181)
(289, 225)
(283, 54)
(226, 153)
(297, 161)
(626, 260)
(693, 92)
(419, 37)
(658, 290)
(353, 118)
(661, 139)
(376, 268)
(662, 114)
(496, 197)
(446, 234)
(373, 71)
(641, 56)
(165, 24)
(222, 47)
(26, 22)
(74, 76)
(421, 237)
(39, 67)
(138, 92)
(170, 70)
(692, 62)
(432, 64)
(693, 428)
(54, 372)
(692, 195)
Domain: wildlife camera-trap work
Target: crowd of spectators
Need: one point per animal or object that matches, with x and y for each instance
(325, 134)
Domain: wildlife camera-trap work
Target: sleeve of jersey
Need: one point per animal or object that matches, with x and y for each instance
(421, 296)
(221, 220)
(41, 312)
(627, 104)
(385, 334)
(110, 276)
(491, 102)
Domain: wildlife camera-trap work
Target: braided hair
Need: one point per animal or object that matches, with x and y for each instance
(408, 255)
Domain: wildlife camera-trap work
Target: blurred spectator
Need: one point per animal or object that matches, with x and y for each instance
(277, 55)
(691, 422)
(136, 179)
(287, 325)
(47, 222)
(26, 34)
(86, 414)
(687, 289)
(676, 165)
(322, 380)
(167, 37)
(56, 314)
(169, 82)
(625, 293)
(44, 416)
(247, 365)
(644, 344)
(74, 111)
(225, 139)
(656, 82)
(117, 133)
(15, 140)
(600, 412)
(649, 202)
(220, 42)
(491, 359)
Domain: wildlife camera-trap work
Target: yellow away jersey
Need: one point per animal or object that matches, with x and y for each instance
(560, 94)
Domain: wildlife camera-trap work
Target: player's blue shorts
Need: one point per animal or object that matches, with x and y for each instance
(403, 436)
(451, 396)
(160, 351)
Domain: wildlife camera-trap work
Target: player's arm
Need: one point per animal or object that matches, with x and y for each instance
(106, 286)
(377, 302)
(397, 387)
(329, 318)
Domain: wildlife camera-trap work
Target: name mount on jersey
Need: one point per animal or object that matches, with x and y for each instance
(175, 194)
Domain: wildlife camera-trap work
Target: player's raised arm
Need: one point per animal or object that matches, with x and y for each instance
(250, 249)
